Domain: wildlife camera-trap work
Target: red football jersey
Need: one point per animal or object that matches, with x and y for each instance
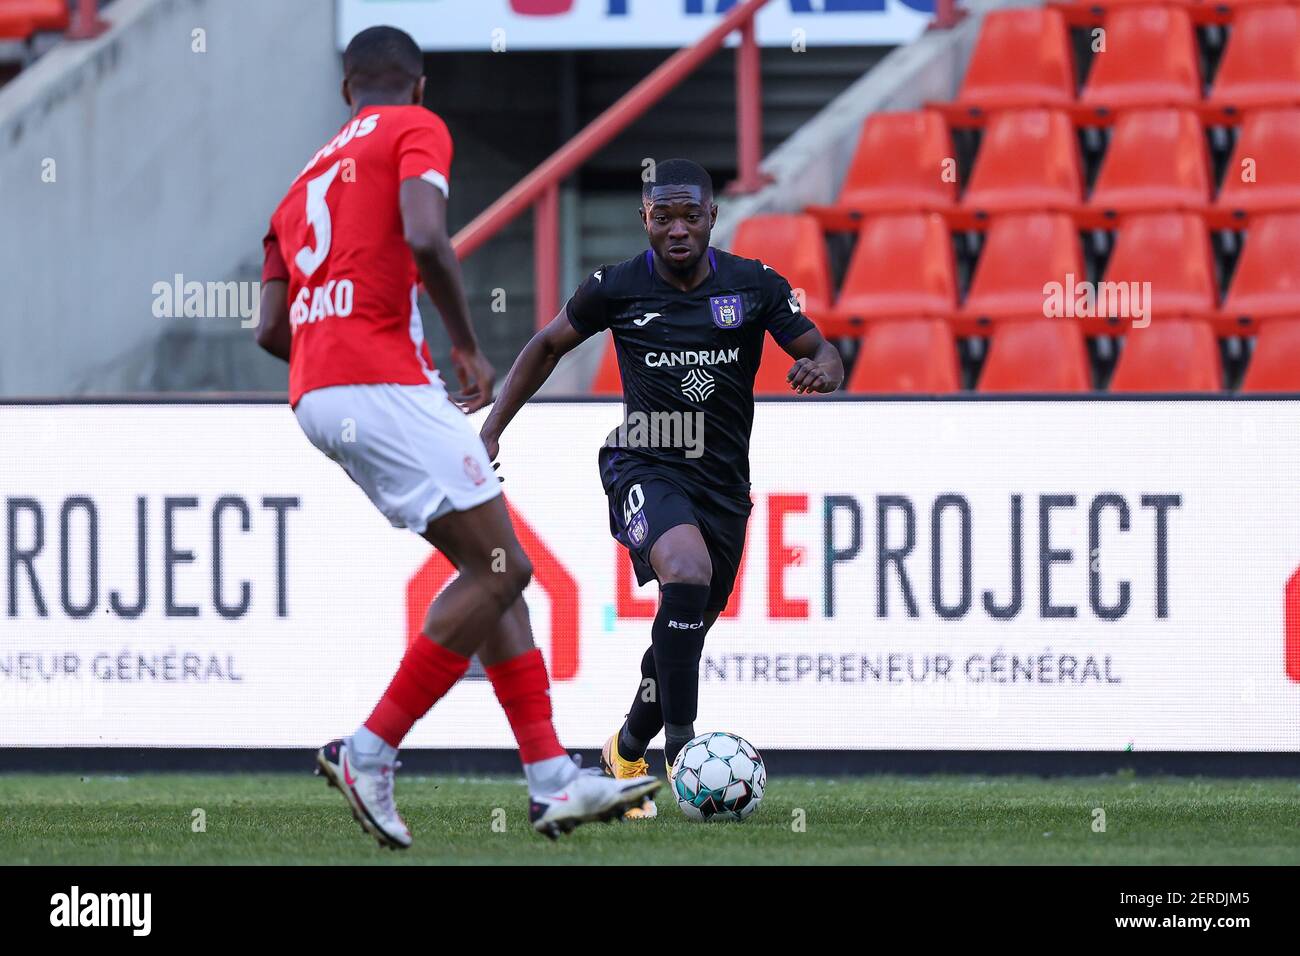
(336, 238)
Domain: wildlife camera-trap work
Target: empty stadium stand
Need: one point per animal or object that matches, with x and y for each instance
(1124, 217)
(897, 167)
(1262, 173)
(1152, 61)
(907, 356)
(902, 267)
(1261, 65)
(1022, 59)
(1028, 161)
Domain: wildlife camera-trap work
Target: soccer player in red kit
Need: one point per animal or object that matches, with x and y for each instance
(365, 221)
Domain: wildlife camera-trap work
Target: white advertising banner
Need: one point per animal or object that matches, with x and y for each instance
(504, 25)
(918, 575)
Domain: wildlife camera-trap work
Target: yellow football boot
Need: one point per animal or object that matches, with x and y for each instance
(621, 769)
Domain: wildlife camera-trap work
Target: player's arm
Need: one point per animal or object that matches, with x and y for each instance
(528, 373)
(817, 366)
(424, 225)
(273, 332)
(582, 316)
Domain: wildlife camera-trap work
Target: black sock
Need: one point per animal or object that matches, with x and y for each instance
(678, 641)
(644, 718)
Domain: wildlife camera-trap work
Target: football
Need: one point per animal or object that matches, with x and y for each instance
(718, 776)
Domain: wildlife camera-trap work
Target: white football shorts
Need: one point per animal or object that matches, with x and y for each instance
(410, 448)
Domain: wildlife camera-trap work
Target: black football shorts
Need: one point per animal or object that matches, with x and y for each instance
(647, 502)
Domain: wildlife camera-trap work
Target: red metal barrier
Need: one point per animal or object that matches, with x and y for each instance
(946, 15)
(87, 25)
(540, 188)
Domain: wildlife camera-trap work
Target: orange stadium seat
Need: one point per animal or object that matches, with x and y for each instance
(1150, 60)
(1022, 58)
(902, 266)
(1267, 280)
(1022, 253)
(1107, 6)
(1263, 173)
(1029, 160)
(50, 15)
(1171, 250)
(1036, 355)
(1233, 7)
(1169, 355)
(1275, 366)
(794, 246)
(907, 356)
(1261, 65)
(608, 380)
(16, 24)
(773, 369)
(1095, 12)
(898, 165)
(1157, 160)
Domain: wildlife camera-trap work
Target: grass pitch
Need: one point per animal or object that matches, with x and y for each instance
(288, 819)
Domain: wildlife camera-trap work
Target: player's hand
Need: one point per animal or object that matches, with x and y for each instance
(492, 444)
(807, 376)
(476, 376)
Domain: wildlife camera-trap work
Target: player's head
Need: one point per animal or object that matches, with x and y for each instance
(382, 66)
(678, 212)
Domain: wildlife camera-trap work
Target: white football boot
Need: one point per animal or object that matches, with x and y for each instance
(368, 792)
(589, 796)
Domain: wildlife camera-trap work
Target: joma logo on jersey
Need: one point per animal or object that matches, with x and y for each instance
(702, 357)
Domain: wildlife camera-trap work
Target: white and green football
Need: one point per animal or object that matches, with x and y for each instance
(718, 776)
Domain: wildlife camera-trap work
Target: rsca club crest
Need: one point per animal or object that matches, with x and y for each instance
(728, 313)
(638, 529)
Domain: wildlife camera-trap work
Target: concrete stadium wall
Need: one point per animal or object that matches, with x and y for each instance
(166, 161)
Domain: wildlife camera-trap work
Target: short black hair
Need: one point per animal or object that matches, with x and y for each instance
(678, 172)
(383, 58)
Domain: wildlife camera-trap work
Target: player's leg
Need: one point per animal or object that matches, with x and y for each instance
(492, 572)
(471, 605)
(644, 510)
(560, 797)
(654, 519)
(472, 614)
(645, 718)
(518, 676)
(681, 562)
(724, 531)
(420, 462)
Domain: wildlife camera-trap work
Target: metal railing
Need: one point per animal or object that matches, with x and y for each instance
(540, 189)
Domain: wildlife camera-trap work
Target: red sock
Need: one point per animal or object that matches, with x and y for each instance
(426, 673)
(524, 691)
